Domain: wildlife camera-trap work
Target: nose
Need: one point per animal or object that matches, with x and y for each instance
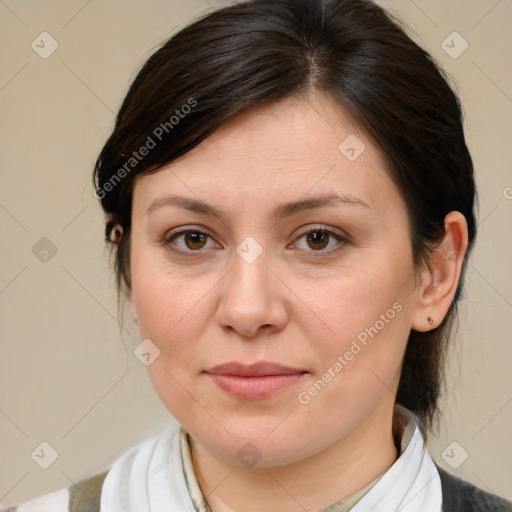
(253, 298)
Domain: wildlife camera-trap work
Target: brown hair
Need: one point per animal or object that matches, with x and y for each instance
(261, 51)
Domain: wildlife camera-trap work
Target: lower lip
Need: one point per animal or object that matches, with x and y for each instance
(254, 388)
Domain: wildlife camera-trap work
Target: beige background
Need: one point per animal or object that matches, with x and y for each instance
(65, 375)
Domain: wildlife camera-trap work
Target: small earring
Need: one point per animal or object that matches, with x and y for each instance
(135, 319)
(430, 320)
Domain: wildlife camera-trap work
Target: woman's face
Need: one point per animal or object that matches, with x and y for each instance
(327, 314)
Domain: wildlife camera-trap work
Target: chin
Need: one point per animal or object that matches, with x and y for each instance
(255, 442)
(256, 453)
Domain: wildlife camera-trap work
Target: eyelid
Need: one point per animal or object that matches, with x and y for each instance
(166, 239)
(322, 227)
(342, 237)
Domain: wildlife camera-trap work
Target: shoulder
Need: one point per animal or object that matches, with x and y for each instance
(84, 496)
(57, 501)
(462, 496)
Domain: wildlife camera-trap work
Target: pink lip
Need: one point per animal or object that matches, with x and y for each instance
(255, 381)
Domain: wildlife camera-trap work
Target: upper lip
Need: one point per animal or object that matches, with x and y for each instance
(260, 369)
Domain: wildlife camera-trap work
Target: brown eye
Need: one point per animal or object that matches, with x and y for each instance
(195, 239)
(187, 241)
(320, 241)
(317, 239)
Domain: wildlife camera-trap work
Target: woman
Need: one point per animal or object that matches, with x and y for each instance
(290, 201)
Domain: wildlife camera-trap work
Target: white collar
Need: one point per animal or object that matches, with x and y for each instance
(412, 483)
(157, 475)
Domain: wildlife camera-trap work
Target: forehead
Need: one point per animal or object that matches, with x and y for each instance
(290, 149)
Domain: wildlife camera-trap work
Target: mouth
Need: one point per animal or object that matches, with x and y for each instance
(255, 381)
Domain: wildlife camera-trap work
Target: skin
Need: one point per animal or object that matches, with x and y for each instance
(295, 304)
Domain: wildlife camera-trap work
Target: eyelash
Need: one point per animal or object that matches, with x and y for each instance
(168, 238)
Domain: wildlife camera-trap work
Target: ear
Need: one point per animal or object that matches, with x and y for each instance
(116, 233)
(440, 280)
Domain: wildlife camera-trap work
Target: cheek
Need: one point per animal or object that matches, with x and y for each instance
(364, 320)
(349, 303)
(359, 357)
(172, 315)
(168, 301)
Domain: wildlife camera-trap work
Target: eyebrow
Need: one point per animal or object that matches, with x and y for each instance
(282, 211)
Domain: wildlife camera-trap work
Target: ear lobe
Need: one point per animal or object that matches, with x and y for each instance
(440, 281)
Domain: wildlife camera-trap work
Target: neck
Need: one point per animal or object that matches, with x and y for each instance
(311, 484)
